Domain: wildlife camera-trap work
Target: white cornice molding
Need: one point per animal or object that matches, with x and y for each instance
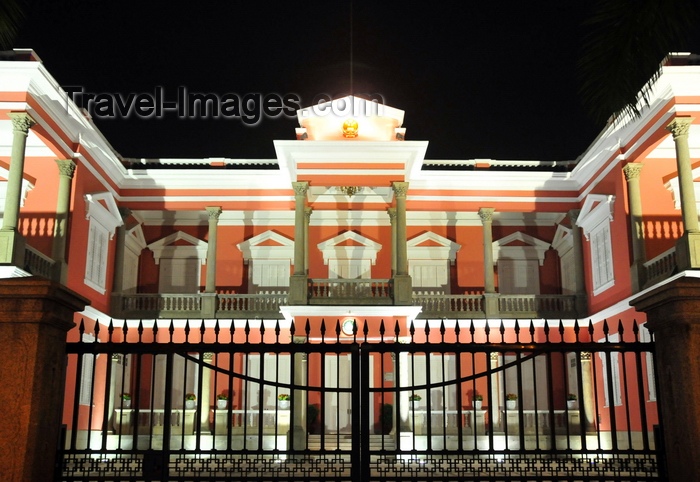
(106, 214)
(443, 249)
(165, 248)
(253, 249)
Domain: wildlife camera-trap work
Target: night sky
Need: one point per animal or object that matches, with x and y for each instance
(477, 80)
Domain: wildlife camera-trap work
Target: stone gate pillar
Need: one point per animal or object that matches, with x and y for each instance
(35, 315)
(673, 314)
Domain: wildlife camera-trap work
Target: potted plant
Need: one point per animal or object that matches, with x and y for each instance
(190, 400)
(414, 399)
(126, 400)
(571, 399)
(386, 419)
(221, 401)
(477, 400)
(283, 401)
(511, 401)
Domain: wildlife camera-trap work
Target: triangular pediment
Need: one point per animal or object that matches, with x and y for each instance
(103, 209)
(179, 245)
(563, 240)
(267, 245)
(519, 245)
(349, 245)
(596, 209)
(430, 245)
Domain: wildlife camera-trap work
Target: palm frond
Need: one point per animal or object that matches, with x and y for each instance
(622, 52)
(11, 16)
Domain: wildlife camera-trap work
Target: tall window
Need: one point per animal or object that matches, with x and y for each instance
(104, 217)
(595, 218)
(180, 257)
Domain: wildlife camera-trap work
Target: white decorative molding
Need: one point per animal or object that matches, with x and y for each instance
(442, 249)
(364, 249)
(253, 248)
(534, 248)
(165, 247)
(102, 208)
(563, 241)
(596, 209)
(134, 240)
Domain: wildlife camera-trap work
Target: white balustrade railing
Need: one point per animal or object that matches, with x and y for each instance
(350, 288)
(269, 301)
(161, 302)
(537, 303)
(433, 301)
(660, 267)
(38, 263)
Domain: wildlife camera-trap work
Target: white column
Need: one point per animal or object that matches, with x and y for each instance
(634, 203)
(392, 221)
(679, 129)
(214, 212)
(21, 123)
(66, 169)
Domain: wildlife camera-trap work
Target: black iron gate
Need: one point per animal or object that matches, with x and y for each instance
(452, 403)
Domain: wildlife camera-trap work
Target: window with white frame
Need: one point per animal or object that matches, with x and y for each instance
(104, 217)
(611, 373)
(349, 255)
(519, 257)
(180, 257)
(645, 337)
(595, 218)
(269, 256)
(429, 258)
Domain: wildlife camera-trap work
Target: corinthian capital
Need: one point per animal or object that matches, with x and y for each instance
(400, 188)
(632, 170)
(486, 215)
(213, 212)
(300, 188)
(21, 121)
(679, 126)
(66, 167)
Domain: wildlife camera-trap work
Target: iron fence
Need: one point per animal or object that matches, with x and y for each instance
(378, 402)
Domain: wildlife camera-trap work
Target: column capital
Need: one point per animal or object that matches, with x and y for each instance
(586, 356)
(300, 188)
(307, 212)
(679, 126)
(632, 170)
(66, 167)
(400, 188)
(392, 214)
(213, 212)
(486, 215)
(21, 121)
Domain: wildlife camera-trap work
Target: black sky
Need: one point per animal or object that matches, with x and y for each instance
(478, 80)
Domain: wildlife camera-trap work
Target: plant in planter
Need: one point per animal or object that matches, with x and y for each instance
(190, 400)
(221, 400)
(126, 400)
(415, 398)
(283, 401)
(477, 400)
(386, 419)
(312, 423)
(571, 399)
(511, 400)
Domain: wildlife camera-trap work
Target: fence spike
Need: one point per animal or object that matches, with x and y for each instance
(365, 329)
(457, 331)
(307, 329)
(606, 330)
(590, 328)
(81, 328)
(532, 331)
(323, 328)
(561, 329)
(472, 330)
(577, 330)
(397, 329)
(546, 331)
(110, 330)
(635, 330)
(442, 330)
(620, 329)
(277, 331)
(171, 330)
(293, 327)
(487, 331)
(202, 330)
(187, 330)
(139, 330)
(381, 330)
(97, 329)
